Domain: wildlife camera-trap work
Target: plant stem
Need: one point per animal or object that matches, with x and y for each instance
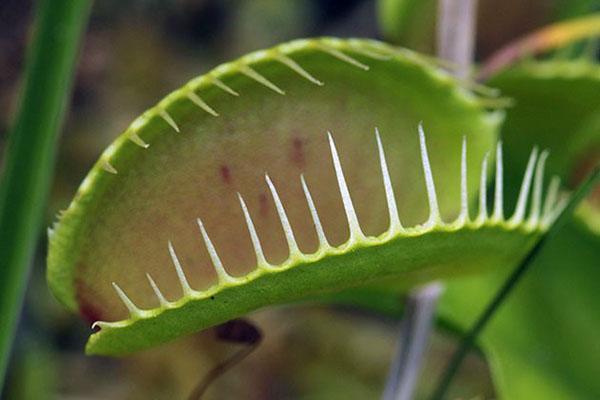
(30, 153)
(469, 339)
(456, 38)
(456, 33)
(414, 334)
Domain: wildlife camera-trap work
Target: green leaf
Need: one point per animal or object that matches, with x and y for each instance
(542, 344)
(136, 212)
(408, 22)
(29, 159)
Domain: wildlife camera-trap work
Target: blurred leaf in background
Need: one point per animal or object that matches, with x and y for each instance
(543, 344)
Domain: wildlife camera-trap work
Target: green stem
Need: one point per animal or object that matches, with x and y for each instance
(30, 153)
(469, 339)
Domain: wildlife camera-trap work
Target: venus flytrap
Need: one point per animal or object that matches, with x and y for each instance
(326, 255)
(268, 170)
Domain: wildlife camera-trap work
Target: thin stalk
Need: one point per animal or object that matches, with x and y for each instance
(30, 152)
(456, 39)
(456, 33)
(469, 339)
(414, 334)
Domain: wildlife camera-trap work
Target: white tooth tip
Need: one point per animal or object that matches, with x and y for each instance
(323, 243)
(353, 224)
(194, 98)
(434, 213)
(260, 257)
(161, 299)
(133, 309)
(395, 225)
(168, 119)
(252, 74)
(285, 223)
(214, 257)
(185, 286)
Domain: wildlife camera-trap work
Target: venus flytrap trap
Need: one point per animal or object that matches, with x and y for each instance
(326, 253)
(292, 172)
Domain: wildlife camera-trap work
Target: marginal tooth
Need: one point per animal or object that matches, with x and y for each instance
(355, 230)
(103, 324)
(161, 299)
(185, 286)
(297, 68)
(434, 211)
(464, 199)
(323, 243)
(498, 214)
(108, 167)
(133, 309)
(551, 195)
(135, 138)
(168, 119)
(556, 210)
(395, 225)
(223, 276)
(98, 325)
(517, 217)
(251, 73)
(219, 83)
(342, 56)
(536, 203)
(260, 256)
(285, 223)
(483, 191)
(371, 54)
(201, 103)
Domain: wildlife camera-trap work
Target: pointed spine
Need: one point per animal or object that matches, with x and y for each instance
(519, 213)
(483, 214)
(185, 286)
(434, 211)
(371, 54)
(222, 274)
(551, 195)
(168, 119)
(538, 183)
(561, 203)
(395, 224)
(161, 298)
(463, 217)
(221, 85)
(498, 214)
(356, 233)
(323, 243)
(342, 56)
(107, 166)
(252, 74)
(194, 98)
(260, 256)
(285, 223)
(134, 311)
(135, 138)
(293, 65)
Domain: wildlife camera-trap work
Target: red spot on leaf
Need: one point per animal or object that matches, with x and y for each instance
(297, 155)
(263, 203)
(225, 174)
(87, 309)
